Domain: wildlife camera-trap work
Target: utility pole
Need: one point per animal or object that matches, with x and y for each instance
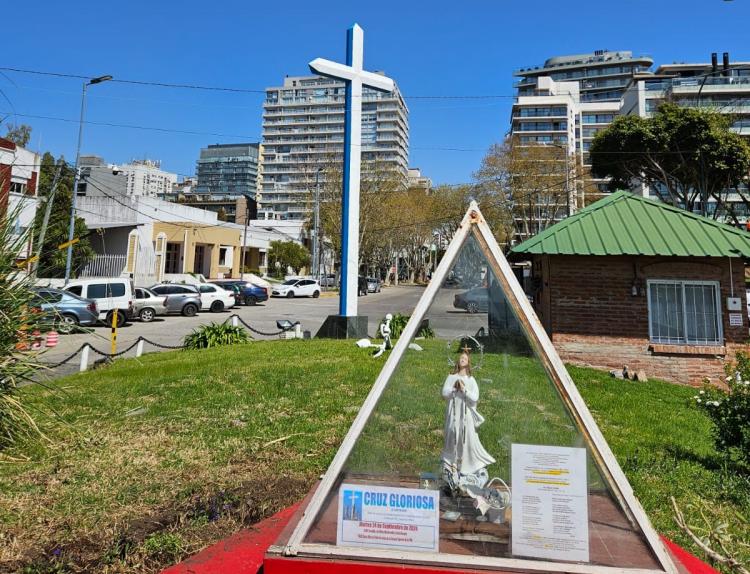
(45, 221)
(244, 238)
(316, 228)
(76, 179)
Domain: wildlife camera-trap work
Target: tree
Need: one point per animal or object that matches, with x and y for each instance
(523, 189)
(287, 254)
(18, 134)
(686, 154)
(52, 260)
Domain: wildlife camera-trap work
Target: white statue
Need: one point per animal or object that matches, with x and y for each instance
(385, 333)
(464, 459)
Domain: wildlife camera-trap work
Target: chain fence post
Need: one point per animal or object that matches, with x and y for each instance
(298, 331)
(84, 358)
(235, 322)
(139, 348)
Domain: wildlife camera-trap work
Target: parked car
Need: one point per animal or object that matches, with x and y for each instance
(148, 304)
(65, 310)
(297, 288)
(215, 298)
(474, 300)
(373, 285)
(111, 295)
(361, 285)
(248, 293)
(183, 299)
(328, 280)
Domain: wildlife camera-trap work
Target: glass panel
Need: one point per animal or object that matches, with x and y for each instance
(666, 312)
(97, 291)
(116, 289)
(700, 309)
(475, 421)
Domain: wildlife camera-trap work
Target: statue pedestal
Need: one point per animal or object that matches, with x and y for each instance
(342, 327)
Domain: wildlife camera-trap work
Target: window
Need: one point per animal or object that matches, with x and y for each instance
(207, 289)
(117, 289)
(76, 290)
(684, 312)
(97, 291)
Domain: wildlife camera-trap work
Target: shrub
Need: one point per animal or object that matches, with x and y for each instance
(216, 335)
(729, 410)
(398, 324)
(17, 323)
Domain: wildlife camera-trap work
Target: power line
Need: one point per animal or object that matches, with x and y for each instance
(137, 127)
(240, 90)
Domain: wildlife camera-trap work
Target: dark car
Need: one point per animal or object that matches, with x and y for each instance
(246, 293)
(65, 309)
(474, 300)
(184, 299)
(362, 286)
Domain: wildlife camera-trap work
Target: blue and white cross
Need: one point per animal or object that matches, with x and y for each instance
(355, 77)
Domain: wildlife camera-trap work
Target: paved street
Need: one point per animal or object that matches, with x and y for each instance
(444, 319)
(172, 329)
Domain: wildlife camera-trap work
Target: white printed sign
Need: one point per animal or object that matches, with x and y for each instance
(550, 502)
(735, 319)
(388, 517)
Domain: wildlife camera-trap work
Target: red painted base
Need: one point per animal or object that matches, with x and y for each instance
(242, 553)
(245, 553)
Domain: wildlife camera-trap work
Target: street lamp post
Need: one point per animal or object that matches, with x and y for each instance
(77, 176)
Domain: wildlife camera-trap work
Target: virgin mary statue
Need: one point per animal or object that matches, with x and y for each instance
(464, 459)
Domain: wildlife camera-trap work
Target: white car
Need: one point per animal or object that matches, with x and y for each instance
(215, 298)
(297, 288)
(109, 294)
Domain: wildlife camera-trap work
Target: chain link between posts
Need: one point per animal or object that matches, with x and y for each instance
(106, 355)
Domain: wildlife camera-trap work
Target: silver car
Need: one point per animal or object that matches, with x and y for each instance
(148, 304)
(183, 299)
(65, 309)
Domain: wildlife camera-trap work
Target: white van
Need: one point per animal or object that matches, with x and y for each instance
(109, 294)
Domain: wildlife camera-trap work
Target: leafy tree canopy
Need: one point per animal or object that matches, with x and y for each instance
(685, 152)
(18, 134)
(288, 254)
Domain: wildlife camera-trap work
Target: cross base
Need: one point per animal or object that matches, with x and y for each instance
(343, 327)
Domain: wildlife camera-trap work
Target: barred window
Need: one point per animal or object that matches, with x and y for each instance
(684, 312)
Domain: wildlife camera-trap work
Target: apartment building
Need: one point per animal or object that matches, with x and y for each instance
(602, 75)
(303, 134)
(723, 88)
(228, 170)
(139, 178)
(565, 103)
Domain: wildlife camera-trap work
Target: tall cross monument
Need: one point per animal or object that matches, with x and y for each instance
(355, 78)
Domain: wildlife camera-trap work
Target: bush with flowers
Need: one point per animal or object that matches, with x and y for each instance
(730, 410)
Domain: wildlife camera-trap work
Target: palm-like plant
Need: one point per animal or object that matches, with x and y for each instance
(17, 321)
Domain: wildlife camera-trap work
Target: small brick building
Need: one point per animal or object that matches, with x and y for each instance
(631, 281)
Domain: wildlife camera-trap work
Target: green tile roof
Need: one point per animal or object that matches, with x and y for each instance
(627, 224)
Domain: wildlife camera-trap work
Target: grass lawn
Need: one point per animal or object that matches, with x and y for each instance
(151, 459)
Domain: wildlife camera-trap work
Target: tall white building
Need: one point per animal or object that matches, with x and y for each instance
(139, 178)
(146, 178)
(303, 133)
(721, 87)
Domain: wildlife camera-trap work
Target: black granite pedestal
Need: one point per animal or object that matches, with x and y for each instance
(342, 327)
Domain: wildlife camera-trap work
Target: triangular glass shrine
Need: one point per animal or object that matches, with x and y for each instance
(485, 422)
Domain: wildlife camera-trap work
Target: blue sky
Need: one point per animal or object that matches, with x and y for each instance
(429, 48)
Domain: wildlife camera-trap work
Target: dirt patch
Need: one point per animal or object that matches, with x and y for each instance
(169, 534)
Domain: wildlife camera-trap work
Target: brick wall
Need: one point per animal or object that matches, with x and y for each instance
(586, 303)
